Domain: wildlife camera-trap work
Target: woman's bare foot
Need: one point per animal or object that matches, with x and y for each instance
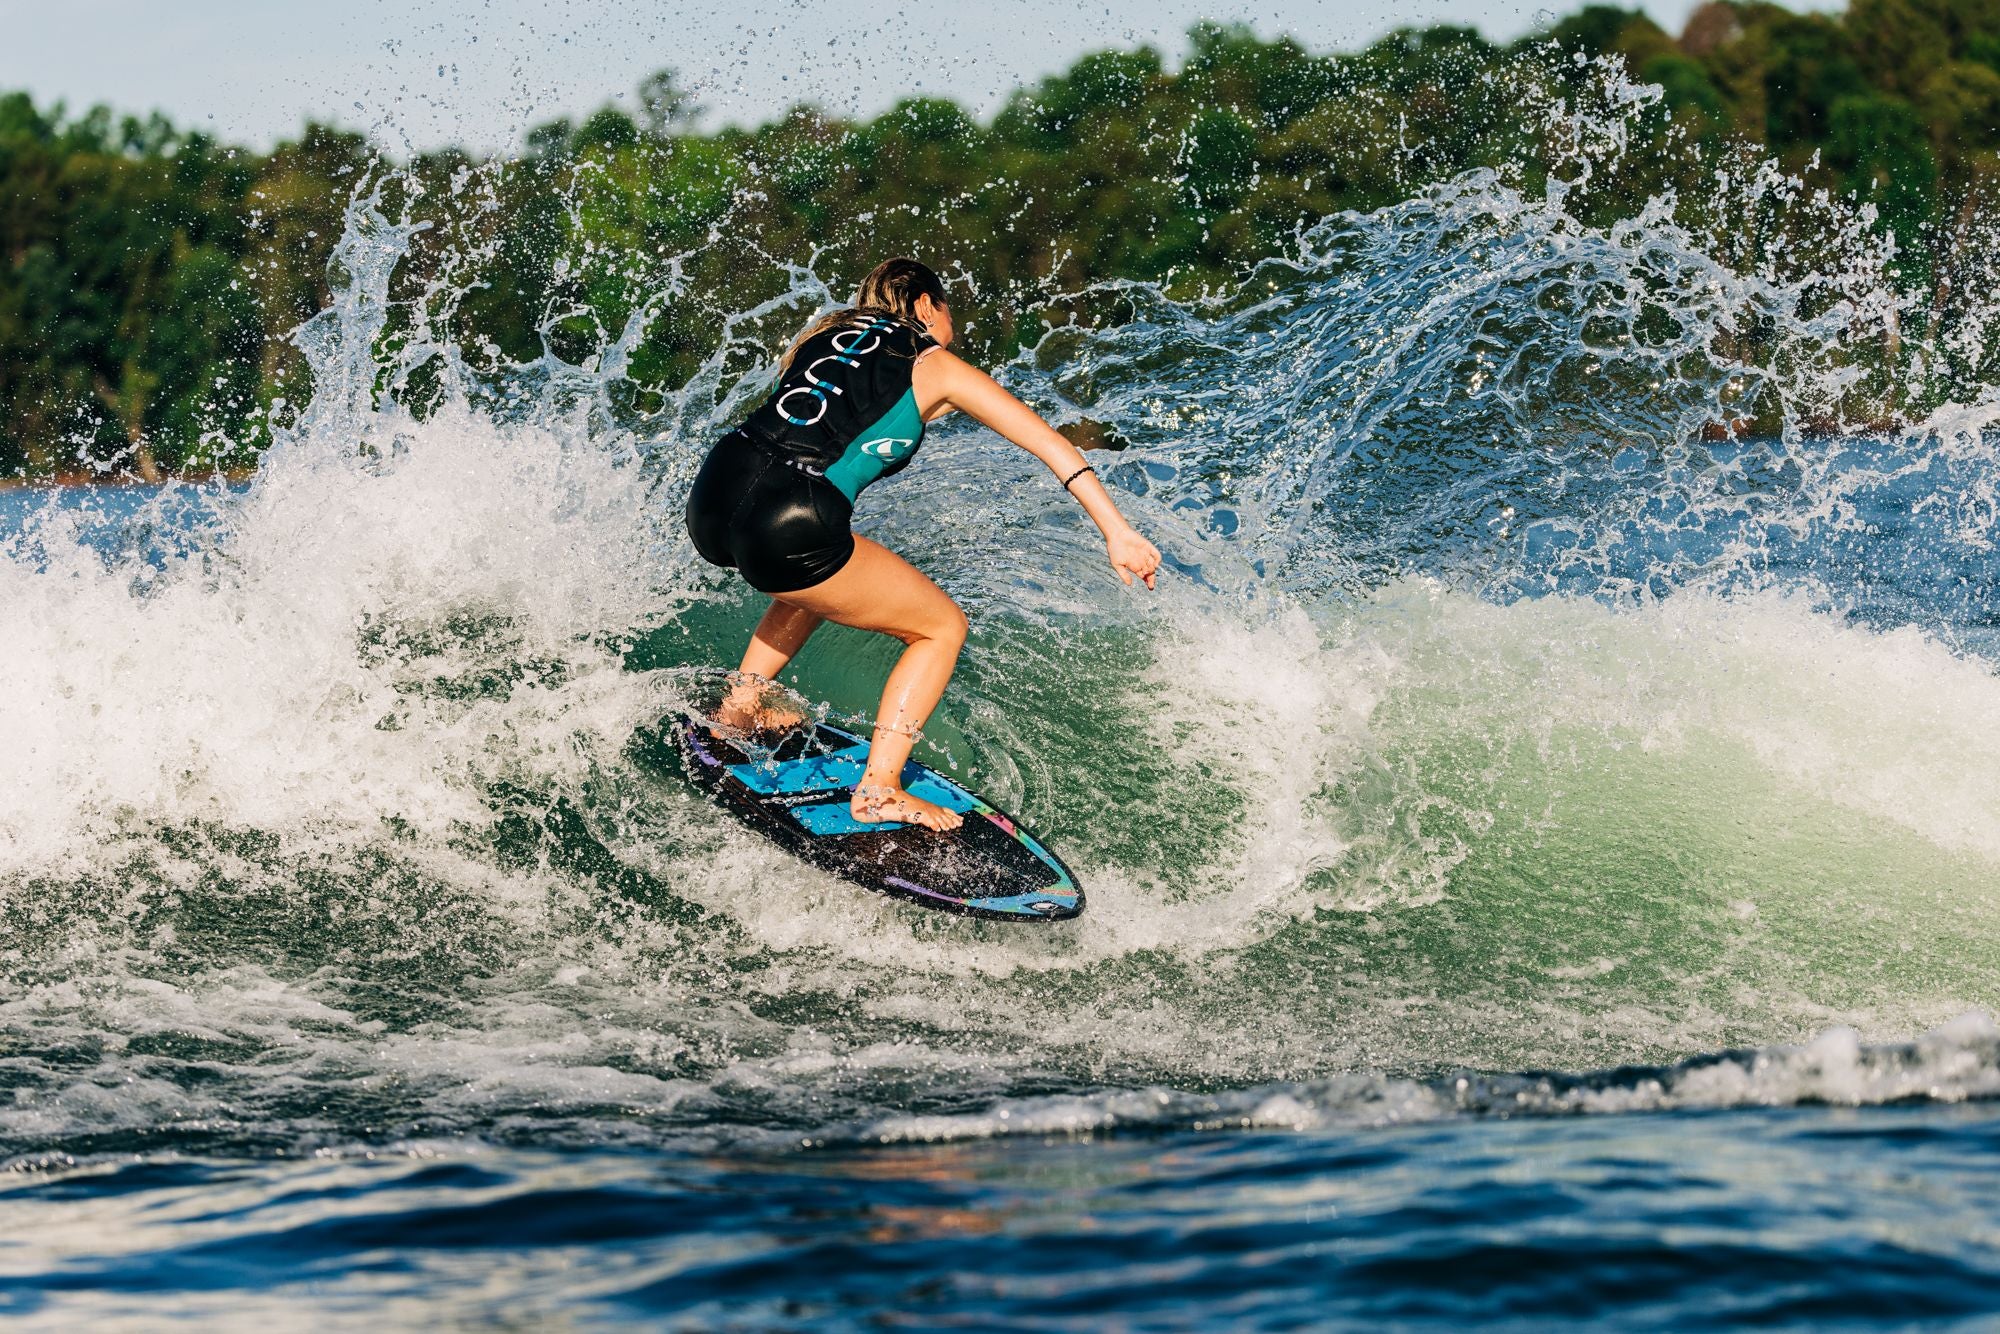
(746, 709)
(875, 803)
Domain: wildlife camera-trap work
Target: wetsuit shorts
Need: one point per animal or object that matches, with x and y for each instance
(781, 525)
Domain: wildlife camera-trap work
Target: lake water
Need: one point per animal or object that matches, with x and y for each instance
(1542, 851)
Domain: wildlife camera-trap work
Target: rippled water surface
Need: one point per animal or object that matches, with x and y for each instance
(1811, 1217)
(1543, 840)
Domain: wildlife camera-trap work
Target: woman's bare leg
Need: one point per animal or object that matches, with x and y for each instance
(779, 636)
(879, 590)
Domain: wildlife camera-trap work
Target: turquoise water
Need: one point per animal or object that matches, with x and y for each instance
(1542, 859)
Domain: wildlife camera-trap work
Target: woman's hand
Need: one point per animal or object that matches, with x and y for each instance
(1132, 554)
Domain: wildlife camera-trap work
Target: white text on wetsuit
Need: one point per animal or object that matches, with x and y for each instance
(844, 353)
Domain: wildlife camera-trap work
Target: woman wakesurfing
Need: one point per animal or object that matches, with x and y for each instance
(775, 497)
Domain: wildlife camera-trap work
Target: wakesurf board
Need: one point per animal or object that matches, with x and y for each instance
(793, 787)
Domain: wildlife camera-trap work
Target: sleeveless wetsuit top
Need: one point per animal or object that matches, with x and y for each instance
(845, 410)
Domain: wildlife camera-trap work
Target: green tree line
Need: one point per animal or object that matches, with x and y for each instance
(148, 274)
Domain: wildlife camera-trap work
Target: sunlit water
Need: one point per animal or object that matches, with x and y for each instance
(1542, 861)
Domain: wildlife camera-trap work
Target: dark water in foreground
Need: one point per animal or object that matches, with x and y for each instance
(1805, 1217)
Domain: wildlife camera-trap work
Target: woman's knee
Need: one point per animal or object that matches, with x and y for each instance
(944, 626)
(953, 627)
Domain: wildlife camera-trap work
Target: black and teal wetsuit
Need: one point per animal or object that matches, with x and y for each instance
(776, 494)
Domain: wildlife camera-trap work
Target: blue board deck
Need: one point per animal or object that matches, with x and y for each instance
(796, 791)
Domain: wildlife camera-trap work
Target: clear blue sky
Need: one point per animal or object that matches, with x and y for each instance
(422, 72)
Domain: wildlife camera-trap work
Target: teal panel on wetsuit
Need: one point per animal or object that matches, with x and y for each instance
(879, 448)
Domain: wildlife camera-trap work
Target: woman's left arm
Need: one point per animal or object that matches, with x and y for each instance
(942, 378)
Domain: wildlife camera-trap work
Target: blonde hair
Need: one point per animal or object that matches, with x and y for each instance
(891, 288)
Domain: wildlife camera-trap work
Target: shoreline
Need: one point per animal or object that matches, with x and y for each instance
(65, 481)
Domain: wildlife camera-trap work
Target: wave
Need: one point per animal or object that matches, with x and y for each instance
(1958, 1062)
(1513, 706)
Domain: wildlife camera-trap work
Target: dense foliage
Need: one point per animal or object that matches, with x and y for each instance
(148, 275)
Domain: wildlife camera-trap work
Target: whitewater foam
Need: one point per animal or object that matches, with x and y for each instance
(1956, 1062)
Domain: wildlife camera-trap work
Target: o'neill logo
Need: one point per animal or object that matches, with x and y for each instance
(887, 448)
